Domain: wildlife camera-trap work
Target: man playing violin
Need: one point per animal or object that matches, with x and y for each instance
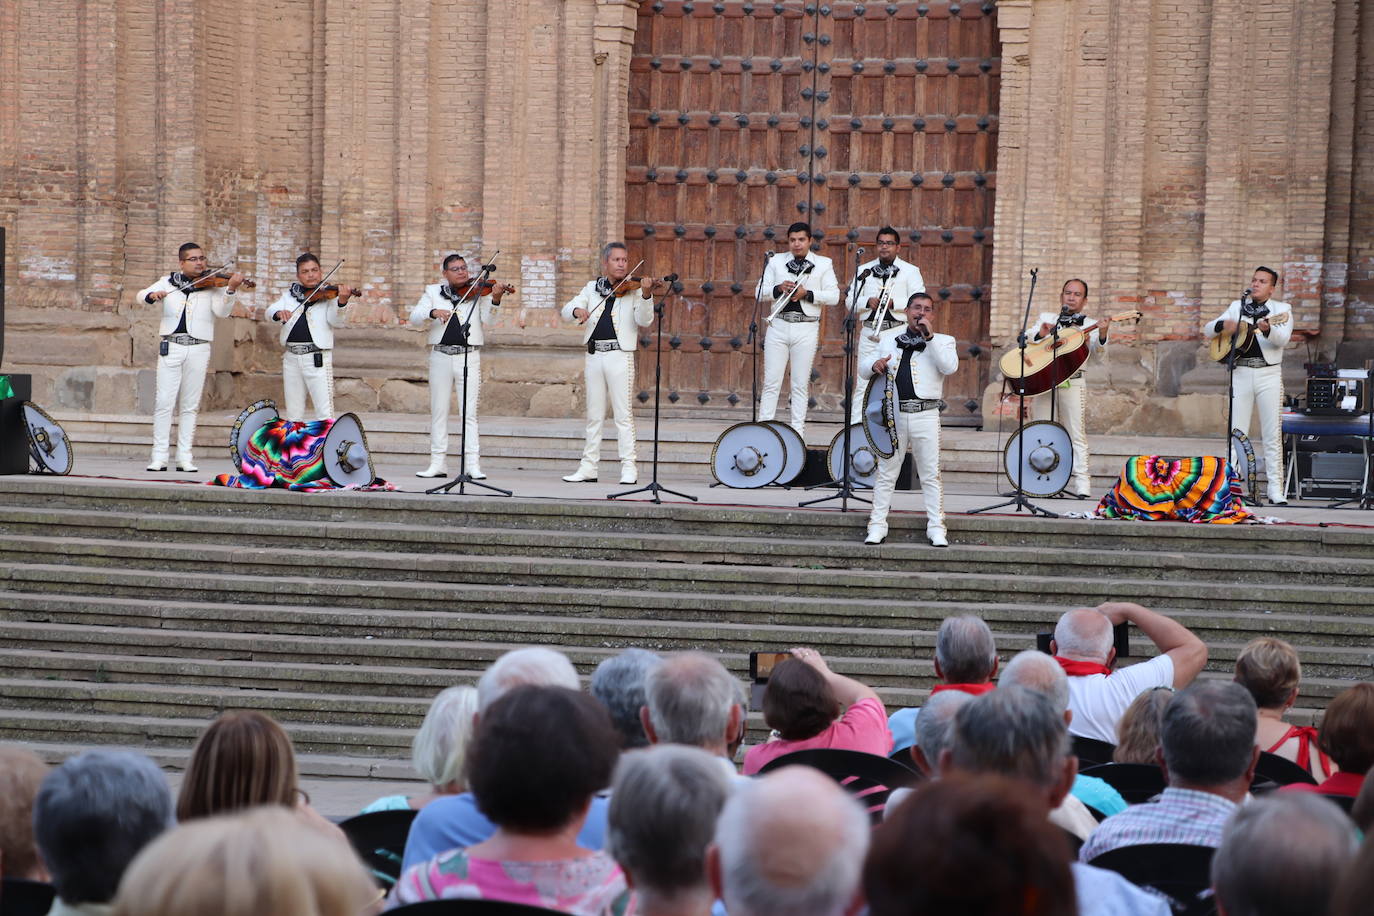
(901, 280)
(807, 281)
(1069, 403)
(308, 313)
(1258, 381)
(455, 311)
(916, 361)
(610, 308)
(187, 326)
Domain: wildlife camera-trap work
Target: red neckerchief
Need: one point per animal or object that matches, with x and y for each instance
(976, 690)
(1075, 668)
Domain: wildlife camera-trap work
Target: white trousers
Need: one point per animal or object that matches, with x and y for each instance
(1261, 391)
(181, 370)
(788, 344)
(446, 377)
(299, 374)
(921, 433)
(868, 355)
(1070, 410)
(608, 377)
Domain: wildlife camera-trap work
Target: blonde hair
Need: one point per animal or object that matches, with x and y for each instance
(242, 760)
(1137, 732)
(263, 862)
(439, 751)
(1270, 670)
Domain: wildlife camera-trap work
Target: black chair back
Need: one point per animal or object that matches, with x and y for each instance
(470, 907)
(1179, 871)
(1345, 802)
(1280, 771)
(21, 897)
(380, 840)
(1137, 782)
(1091, 752)
(867, 776)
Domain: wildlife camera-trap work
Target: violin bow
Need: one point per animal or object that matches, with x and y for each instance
(611, 295)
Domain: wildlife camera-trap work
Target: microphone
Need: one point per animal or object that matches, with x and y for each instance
(860, 252)
(1249, 292)
(767, 255)
(864, 276)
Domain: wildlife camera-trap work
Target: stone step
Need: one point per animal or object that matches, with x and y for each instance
(310, 766)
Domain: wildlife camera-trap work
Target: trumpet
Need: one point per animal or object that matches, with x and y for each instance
(787, 299)
(881, 311)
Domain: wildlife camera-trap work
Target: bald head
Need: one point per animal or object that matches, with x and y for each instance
(1085, 635)
(791, 843)
(1039, 672)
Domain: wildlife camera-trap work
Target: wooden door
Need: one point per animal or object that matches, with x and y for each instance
(745, 117)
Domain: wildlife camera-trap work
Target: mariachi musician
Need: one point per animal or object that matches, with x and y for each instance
(610, 308)
(796, 289)
(455, 311)
(888, 282)
(916, 362)
(1069, 405)
(192, 298)
(309, 311)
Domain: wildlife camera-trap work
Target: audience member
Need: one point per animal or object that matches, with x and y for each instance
(259, 862)
(691, 699)
(790, 843)
(965, 661)
(1208, 754)
(439, 750)
(1362, 812)
(1347, 737)
(975, 846)
(1083, 644)
(802, 703)
(1270, 670)
(1137, 734)
(933, 728)
(455, 821)
(618, 683)
(1039, 672)
(21, 773)
(1282, 856)
(1356, 887)
(1018, 733)
(91, 817)
(538, 757)
(664, 805)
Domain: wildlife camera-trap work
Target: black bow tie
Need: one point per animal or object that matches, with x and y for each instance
(883, 271)
(1254, 310)
(798, 265)
(604, 286)
(1068, 319)
(908, 341)
(447, 292)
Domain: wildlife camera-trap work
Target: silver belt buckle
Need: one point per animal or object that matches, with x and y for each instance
(184, 340)
(1252, 362)
(916, 405)
(605, 346)
(300, 349)
(792, 317)
(453, 349)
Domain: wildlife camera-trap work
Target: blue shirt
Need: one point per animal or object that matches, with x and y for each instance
(1098, 794)
(902, 724)
(454, 822)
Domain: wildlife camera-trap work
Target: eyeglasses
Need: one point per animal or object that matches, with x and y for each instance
(198, 258)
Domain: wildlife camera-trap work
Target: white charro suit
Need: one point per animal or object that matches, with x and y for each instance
(907, 282)
(183, 368)
(920, 431)
(446, 371)
(298, 370)
(1069, 403)
(1261, 388)
(608, 374)
(793, 343)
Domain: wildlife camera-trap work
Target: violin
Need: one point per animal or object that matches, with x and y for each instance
(484, 288)
(215, 281)
(627, 285)
(321, 293)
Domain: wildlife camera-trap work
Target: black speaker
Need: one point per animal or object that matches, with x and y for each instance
(14, 438)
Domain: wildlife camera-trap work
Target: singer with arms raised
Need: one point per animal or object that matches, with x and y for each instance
(1258, 379)
(889, 282)
(917, 360)
(609, 308)
(805, 282)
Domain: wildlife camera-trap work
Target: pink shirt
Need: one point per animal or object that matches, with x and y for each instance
(863, 727)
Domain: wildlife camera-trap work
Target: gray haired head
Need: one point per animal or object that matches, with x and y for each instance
(1283, 855)
(964, 650)
(1012, 731)
(1208, 733)
(691, 698)
(92, 816)
(619, 683)
(936, 722)
(1084, 634)
(612, 246)
(664, 803)
(534, 665)
(1039, 672)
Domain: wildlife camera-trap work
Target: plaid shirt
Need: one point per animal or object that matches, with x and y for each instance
(1179, 816)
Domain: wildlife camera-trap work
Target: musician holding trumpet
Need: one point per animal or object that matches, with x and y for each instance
(915, 362)
(888, 282)
(795, 290)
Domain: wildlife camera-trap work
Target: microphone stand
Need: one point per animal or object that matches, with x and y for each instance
(464, 478)
(845, 484)
(1018, 496)
(1253, 498)
(654, 487)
